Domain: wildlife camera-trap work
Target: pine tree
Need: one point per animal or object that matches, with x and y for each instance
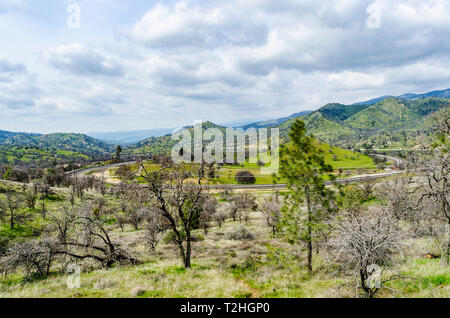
(303, 166)
(118, 152)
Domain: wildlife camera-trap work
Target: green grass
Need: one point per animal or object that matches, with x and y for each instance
(346, 159)
(266, 267)
(338, 158)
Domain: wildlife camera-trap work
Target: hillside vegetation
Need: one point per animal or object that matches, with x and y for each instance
(390, 123)
(23, 148)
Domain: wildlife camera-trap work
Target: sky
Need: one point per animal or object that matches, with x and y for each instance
(113, 65)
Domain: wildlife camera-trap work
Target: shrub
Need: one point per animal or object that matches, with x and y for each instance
(245, 177)
(171, 238)
(240, 234)
(197, 238)
(4, 243)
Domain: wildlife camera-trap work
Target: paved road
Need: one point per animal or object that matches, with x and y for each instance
(396, 160)
(82, 172)
(283, 186)
(261, 186)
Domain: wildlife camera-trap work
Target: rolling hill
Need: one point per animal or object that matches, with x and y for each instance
(390, 122)
(382, 122)
(161, 145)
(17, 148)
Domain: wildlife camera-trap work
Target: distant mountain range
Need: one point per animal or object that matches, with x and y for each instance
(445, 93)
(124, 138)
(380, 122)
(127, 138)
(273, 122)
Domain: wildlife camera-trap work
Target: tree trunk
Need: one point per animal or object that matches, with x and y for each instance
(12, 220)
(309, 242)
(446, 246)
(182, 256)
(187, 263)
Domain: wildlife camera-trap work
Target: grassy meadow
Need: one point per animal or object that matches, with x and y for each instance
(265, 266)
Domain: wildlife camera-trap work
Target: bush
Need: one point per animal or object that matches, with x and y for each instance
(4, 243)
(197, 238)
(170, 237)
(240, 234)
(245, 177)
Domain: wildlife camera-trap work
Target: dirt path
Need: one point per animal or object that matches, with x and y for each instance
(255, 293)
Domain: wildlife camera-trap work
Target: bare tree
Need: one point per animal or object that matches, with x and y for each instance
(434, 164)
(100, 185)
(398, 195)
(83, 234)
(220, 216)
(34, 256)
(31, 196)
(367, 186)
(156, 225)
(177, 191)
(233, 209)
(363, 241)
(121, 220)
(245, 203)
(13, 204)
(136, 215)
(209, 208)
(43, 207)
(271, 209)
(79, 186)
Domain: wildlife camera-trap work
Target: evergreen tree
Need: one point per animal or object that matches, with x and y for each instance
(118, 152)
(303, 166)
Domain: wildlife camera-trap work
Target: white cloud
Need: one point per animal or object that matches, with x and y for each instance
(231, 60)
(81, 60)
(183, 25)
(9, 67)
(11, 5)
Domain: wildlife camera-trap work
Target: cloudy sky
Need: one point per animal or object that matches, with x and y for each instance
(130, 65)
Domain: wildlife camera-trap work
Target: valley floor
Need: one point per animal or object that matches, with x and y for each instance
(263, 267)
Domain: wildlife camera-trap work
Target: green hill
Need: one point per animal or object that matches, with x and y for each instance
(24, 148)
(386, 122)
(340, 112)
(392, 122)
(162, 145)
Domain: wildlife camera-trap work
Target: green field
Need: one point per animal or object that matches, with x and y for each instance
(338, 158)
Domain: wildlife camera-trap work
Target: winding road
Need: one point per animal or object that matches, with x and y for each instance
(353, 179)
